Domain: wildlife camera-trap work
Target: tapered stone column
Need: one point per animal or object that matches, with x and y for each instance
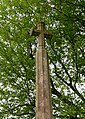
(43, 92)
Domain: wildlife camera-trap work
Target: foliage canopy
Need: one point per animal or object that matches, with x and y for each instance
(66, 21)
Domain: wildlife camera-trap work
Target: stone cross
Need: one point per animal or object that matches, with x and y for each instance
(43, 92)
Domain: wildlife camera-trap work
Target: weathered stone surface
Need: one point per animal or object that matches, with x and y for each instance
(43, 93)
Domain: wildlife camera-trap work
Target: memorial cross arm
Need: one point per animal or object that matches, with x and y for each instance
(35, 31)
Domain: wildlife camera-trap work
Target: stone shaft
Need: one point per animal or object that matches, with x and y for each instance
(43, 93)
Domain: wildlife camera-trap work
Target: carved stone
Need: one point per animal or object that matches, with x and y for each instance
(43, 92)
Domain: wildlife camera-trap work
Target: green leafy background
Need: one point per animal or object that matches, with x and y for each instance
(66, 50)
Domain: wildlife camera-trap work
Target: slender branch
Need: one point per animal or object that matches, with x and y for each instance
(63, 67)
(54, 91)
(68, 84)
(74, 3)
(60, 11)
(77, 92)
(63, 98)
(73, 18)
(66, 71)
(73, 88)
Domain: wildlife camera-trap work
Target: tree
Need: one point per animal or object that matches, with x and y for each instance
(65, 20)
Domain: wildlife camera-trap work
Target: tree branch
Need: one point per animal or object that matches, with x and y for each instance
(74, 4)
(63, 98)
(68, 84)
(63, 68)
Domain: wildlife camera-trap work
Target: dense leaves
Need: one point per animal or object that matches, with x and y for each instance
(66, 50)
